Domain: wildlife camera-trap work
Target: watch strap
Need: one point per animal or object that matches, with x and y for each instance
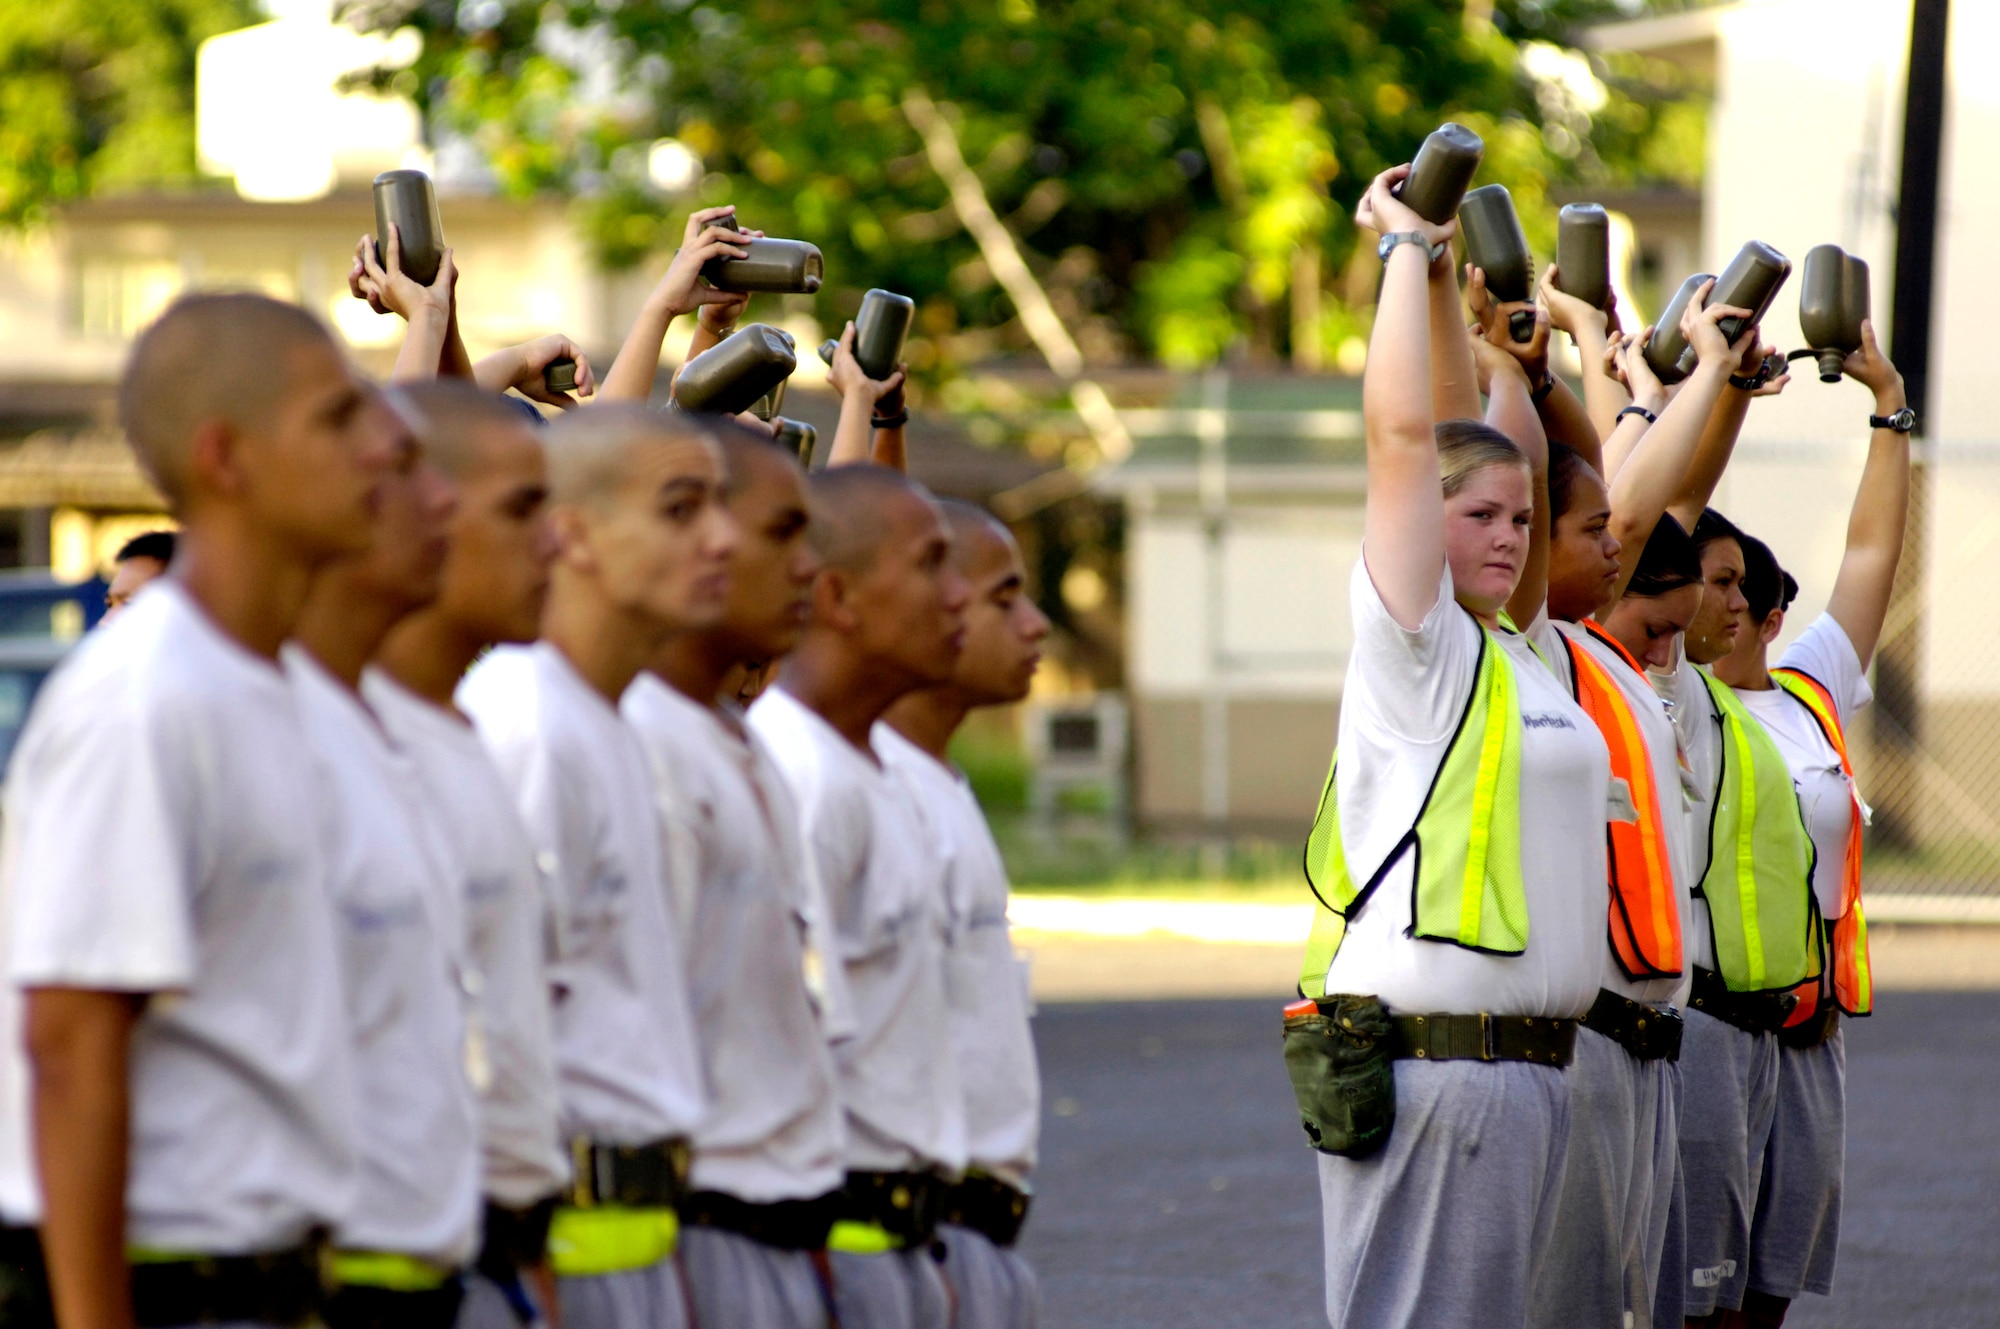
(1388, 244)
(1902, 421)
(900, 418)
(1649, 417)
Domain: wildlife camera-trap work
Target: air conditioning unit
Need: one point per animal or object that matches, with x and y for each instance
(1078, 750)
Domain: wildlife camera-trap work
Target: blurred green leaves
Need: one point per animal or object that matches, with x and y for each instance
(97, 96)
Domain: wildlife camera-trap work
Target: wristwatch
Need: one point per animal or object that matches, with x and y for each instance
(1387, 244)
(1648, 416)
(1902, 421)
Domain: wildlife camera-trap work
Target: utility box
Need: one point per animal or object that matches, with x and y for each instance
(1079, 752)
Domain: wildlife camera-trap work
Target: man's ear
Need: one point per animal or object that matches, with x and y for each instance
(573, 543)
(215, 458)
(832, 605)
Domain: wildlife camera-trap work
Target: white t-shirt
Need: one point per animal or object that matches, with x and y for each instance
(884, 884)
(164, 812)
(1662, 748)
(1826, 795)
(773, 1130)
(1404, 695)
(1698, 731)
(626, 1058)
(402, 948)
(507, 918)
(986, 984)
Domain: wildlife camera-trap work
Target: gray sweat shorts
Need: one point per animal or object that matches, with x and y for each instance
(894, 1290)
(1611, 1215)
(1729, 1095)
(1444, 1226)
(736, 1283)
(649, 1298)
(1795, 1235)
(991, 1288)
(1670, 1283)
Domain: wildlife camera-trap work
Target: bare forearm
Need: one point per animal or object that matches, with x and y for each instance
(1882, 505)
(78, 1045)
(1711, 457)
(1655, 472)
(423, 348)
(1454, 377)
(638, 363)
(455, 361)
(1603, 395)
(852, 441)
(890, 450)
(703, 338)
(1565, 421)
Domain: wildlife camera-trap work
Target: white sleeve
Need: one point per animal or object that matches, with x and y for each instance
(1824, 652)
(1416, 682)
(1554, 645)
(106, 865)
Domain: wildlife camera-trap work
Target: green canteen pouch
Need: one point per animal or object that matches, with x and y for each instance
(1342, 1073)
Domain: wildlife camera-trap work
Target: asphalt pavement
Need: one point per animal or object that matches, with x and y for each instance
(1177, 1190)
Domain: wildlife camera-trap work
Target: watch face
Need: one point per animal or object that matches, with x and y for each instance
(1383, 246)
(1905, 418)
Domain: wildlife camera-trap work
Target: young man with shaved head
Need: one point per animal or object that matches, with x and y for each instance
(167, 911)
(643, 553)
(985, 988)
(767, 1160)
(888, 616)
(414, 1223)
(494, 584)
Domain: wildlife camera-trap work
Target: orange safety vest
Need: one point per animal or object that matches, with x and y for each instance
(1645, 908)
(1847, 936)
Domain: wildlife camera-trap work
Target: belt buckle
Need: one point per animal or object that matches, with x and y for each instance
(582, 1172)
(1489, 1040)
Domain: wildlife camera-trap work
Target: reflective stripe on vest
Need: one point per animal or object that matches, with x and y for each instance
(1760, 859)
(1853, 980)
(1467, 837)
(1645, 916)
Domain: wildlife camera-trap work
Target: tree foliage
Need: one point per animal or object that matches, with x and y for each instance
(97, 96)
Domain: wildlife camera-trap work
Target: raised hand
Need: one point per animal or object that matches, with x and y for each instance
(710, 233)
(523, 368)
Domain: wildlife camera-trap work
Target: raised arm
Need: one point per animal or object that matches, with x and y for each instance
(1590, 329)
(1655, 468)
(1561, 414)
(1510, 408)
(1454, 394)
(524, 367)
(709, 234)
(427, 309)
(854, 437)
(1403, 524)
(1718, 439)
(1881, 511)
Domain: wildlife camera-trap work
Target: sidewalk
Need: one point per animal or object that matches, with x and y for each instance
(1092, 948)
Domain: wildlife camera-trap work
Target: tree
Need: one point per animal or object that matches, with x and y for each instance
(97, 96)
(1164, 162)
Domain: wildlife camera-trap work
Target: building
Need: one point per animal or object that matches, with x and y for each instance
(1244, 506)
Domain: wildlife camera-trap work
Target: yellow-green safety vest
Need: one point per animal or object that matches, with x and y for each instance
(1466, 838)
(1761, 911)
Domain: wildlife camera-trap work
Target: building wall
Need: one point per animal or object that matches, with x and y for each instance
(73, 295)
(1274, 662)
(1279, 752)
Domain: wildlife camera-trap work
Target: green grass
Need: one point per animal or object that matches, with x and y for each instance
(1070, 863)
